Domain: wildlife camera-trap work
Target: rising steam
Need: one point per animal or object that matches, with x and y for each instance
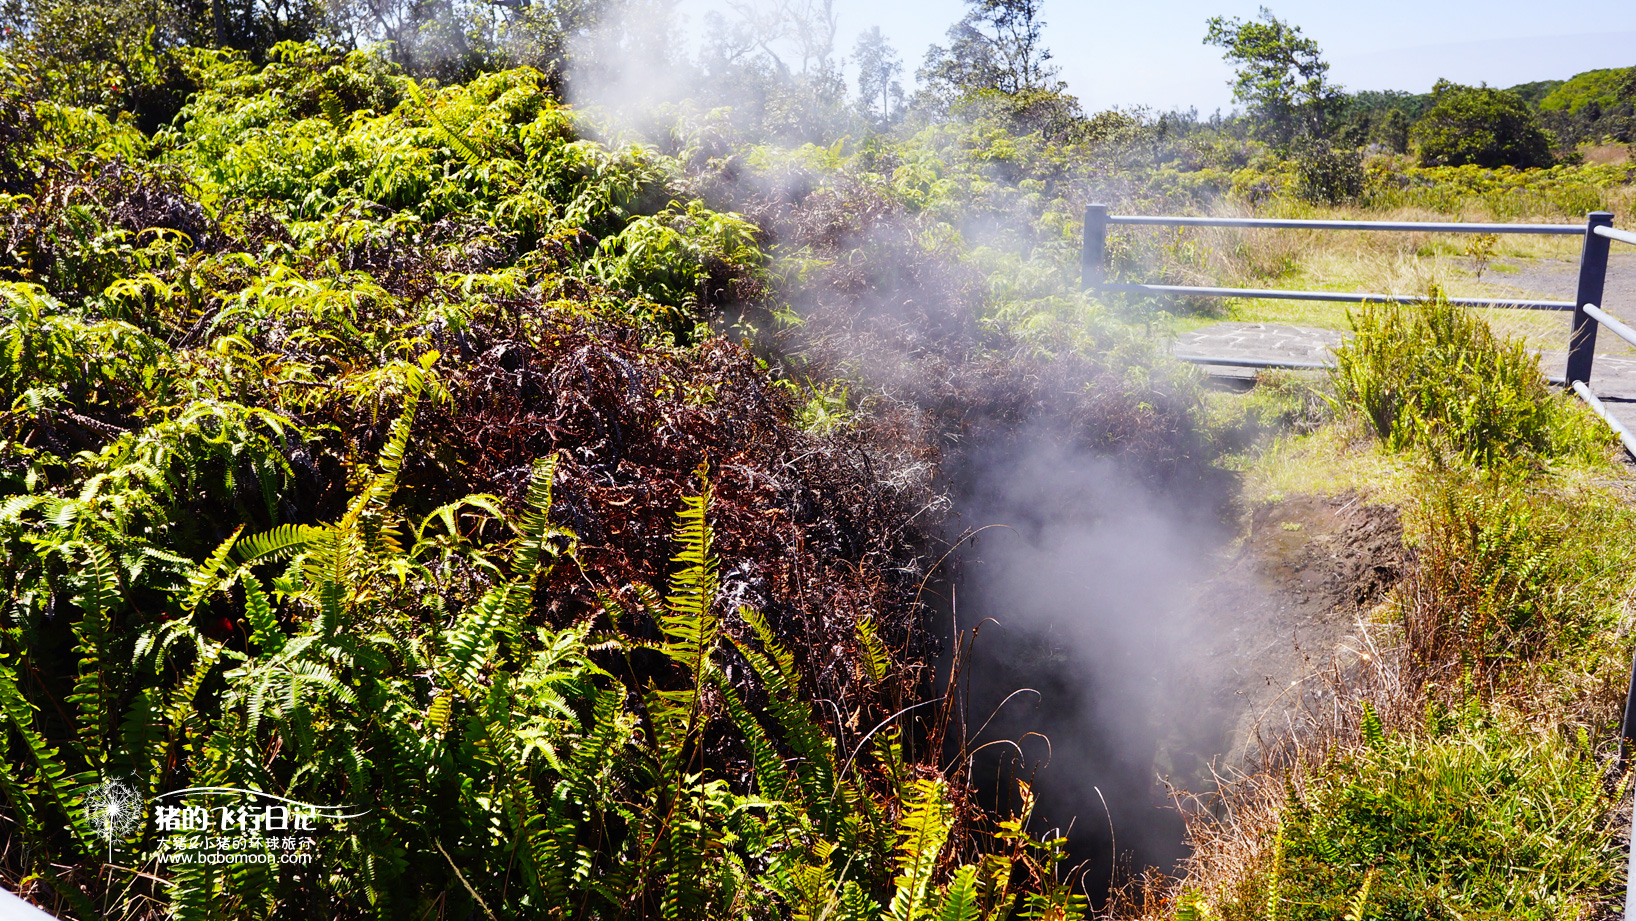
(1086, 595)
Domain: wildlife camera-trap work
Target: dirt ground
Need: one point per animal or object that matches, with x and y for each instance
(1281, 611)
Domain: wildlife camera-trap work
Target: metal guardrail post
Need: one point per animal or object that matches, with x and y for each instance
(1627, 727)
(1093, 257)
(1593, 272)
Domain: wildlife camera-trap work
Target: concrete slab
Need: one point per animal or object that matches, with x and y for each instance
(1259, 342)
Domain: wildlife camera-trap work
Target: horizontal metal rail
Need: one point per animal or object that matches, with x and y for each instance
(1296, 224)
(1601, 409)
(1286, 364)
(1345, 297)
(1623, 236)
(1612, 323)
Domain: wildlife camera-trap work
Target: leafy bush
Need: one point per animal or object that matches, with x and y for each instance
(1434, 375)
(1328, 173)
(495, 765)
(1563, 192)
(1481, 816)
(1481, 126)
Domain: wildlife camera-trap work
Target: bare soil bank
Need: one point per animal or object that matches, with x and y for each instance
(1281, 612)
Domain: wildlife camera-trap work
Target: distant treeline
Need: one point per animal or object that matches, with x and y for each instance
(1597, 105)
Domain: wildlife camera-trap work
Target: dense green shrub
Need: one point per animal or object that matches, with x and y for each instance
(1480, 816)
(1434, 375)
(1604, 88)
(1328, 173)
(1481, 126)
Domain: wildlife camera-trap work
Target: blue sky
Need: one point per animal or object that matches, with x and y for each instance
(1150, 52)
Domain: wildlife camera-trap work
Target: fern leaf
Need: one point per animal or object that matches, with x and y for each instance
(960, 898)
(1370, 725)
(772, 777)
(877, 662)
(855, 904)
(264, 631)
(1359, 906)
(207, 576)
(50, 773)
(92, 696)
(375, 497)
(461, 146)
(922, 832)
(276, 544)
(537, 534)
(814, 749)
(1275, 883)
(465, 660)
(688, 621)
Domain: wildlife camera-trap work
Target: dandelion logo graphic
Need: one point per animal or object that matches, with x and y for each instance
(113, 808)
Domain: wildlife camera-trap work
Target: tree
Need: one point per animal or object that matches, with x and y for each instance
(1482, 126)
(786, 31)
(1392, 132)
(997, 45)
(878, 72)
(772, 65)
(1281, 76)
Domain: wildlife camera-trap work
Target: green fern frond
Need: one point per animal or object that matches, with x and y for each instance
(51, 776)
(98, 597)
(276, 544)
(1275, 875)
(375, 497)
(461, 146)
(446, 515)
(1360, 903)
(1373, 731)
(142, 736)
(538, 538)
(466, 658)
(207, 576)
(688, 621)
(922, 832)
(772, 778)
(877, 661)
(264, 630)
(960, 898)
(855, 904)
(814, 749)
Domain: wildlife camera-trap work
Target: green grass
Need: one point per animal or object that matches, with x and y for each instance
(1480, 815)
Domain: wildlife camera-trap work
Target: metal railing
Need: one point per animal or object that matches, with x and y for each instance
(1588, 317)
